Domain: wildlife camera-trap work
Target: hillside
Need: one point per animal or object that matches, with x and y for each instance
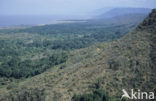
(125, 63)
(123, 11)
(122, 16)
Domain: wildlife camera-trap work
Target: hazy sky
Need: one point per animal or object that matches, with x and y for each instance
(61, 7)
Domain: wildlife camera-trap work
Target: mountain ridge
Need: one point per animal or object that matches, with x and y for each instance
(123, 11)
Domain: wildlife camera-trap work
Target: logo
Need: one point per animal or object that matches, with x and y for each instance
(137, 95)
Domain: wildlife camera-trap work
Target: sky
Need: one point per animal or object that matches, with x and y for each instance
(66, 7)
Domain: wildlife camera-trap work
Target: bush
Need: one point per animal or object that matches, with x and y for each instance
(97, 95)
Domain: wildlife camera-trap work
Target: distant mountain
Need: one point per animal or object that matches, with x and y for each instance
(100, 11)
(120, 19)
(123, 11)
(121, 16)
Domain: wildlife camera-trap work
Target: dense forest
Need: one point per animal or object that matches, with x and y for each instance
(29, 51)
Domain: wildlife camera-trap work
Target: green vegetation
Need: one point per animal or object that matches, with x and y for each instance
(98, 95)
(128, 62)
(29, 51)
(76, 35)
(14, 67)
(27, 95)
(27, 56)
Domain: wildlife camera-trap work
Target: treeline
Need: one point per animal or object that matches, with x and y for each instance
(18, 58)
(88, 31)
(75, 43)
(16, 68)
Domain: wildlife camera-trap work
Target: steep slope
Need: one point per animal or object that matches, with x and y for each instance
(126, 63)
